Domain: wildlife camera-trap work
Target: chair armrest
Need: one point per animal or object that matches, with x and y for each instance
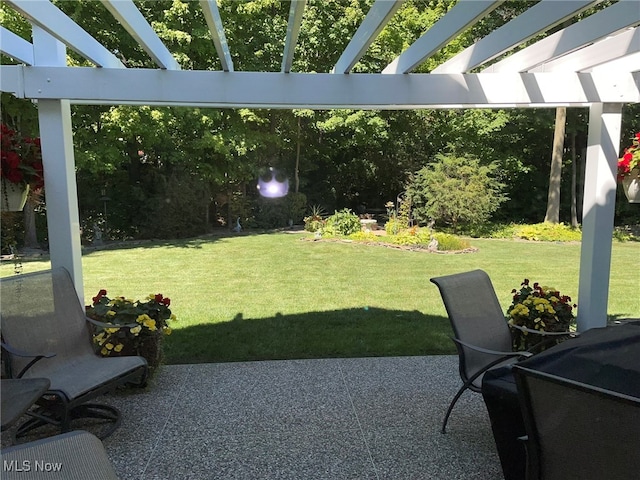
(493, 352)
(100, 324)
(20, 353)
(543, 333)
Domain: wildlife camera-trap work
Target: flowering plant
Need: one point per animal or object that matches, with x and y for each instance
(20, 159)
(630, 159)
(539, 308)
(133, 327)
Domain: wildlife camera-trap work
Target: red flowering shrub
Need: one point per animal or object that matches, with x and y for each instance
(20, 159)
(630, 159)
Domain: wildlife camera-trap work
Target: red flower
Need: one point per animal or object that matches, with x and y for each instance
(98, 297)
(21, 158)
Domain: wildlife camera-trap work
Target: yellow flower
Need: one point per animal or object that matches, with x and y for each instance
(109, 346)
(143, 318)
(110, 313)
(167, 330)
(118, 348)
(104, 351)
(150, 324)
(111, 330)
(136, 330)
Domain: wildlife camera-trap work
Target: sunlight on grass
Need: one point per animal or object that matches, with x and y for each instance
(276, 296)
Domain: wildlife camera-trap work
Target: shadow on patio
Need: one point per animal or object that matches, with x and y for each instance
(368, 418)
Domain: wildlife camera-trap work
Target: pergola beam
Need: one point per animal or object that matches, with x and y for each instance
(617, 17)
(51, 19)
(15, 46)
(462, 16)
(600, 53)
(214, 22)
(306, 90)
(296, 11)
(379, 15)
(536, 20)
(128, 15)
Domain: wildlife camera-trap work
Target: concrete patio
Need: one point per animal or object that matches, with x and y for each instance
(360, 419)
(373, 418)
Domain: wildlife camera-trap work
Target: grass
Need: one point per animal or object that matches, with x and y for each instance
(274, 296)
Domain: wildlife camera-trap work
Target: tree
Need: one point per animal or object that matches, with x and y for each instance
(555, 175)
(455, 190)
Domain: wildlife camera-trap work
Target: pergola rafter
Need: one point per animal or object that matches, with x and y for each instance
(538, 19)
(128, 15)
(461, 17)
(51, 19)
(609, 21)
(593, 63)
(293, 29)
(379, 15)
(214, 22)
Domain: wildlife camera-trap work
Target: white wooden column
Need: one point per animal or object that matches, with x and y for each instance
(598, 212)
(61, 194)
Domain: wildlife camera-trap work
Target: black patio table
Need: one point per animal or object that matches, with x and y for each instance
(607, 357)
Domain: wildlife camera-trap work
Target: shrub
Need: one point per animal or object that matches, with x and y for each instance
(455, 191)
(343, 222)
(548, 232)
(393, 226)
(315, 220)
(448, 242)
(398, 219)
(363, 237)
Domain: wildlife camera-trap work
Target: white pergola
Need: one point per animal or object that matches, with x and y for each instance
(594, 63)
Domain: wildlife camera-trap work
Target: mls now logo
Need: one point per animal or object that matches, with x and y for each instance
(29, 466)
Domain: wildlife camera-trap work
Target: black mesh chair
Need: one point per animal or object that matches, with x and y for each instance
(577, 431)
(46, 334)
(481, 332)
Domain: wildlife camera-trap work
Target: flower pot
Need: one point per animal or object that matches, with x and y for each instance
(631, 186)
(13, 196)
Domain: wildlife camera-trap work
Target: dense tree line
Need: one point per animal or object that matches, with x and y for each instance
(155, 172)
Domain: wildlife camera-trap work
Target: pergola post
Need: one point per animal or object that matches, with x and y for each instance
(56, 137)
(598, 212)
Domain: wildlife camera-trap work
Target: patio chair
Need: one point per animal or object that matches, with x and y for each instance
(481, 333)
(577, 431)
(42, 316)
(77, 455)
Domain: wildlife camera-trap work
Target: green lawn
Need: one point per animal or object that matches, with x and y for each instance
(275, 296)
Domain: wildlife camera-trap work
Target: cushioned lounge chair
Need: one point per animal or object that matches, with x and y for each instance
(46, 334)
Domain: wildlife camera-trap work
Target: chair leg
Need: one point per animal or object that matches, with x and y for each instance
(102, 415)
(451, 405)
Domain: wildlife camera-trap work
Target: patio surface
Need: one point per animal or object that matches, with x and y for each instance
(366, 418)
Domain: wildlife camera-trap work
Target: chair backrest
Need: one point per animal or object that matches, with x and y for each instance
(577, 431)
(476, 318)
(40, 314)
